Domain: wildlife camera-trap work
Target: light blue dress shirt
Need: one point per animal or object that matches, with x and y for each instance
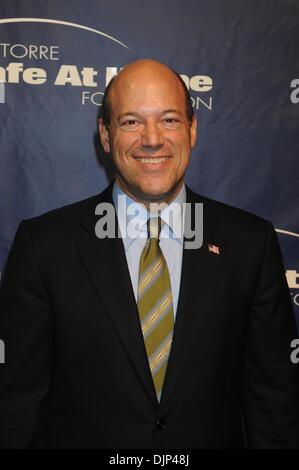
(132, 219)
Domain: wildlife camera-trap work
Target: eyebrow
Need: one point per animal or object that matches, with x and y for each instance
(134, 113)
(176, 111)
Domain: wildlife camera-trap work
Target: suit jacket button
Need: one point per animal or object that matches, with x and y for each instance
(160, 424)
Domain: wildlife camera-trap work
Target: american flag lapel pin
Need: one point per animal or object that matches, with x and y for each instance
(214, 249)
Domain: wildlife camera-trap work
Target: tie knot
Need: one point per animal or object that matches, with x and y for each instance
(154, 226)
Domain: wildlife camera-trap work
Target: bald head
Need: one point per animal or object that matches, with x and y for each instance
(148, 130)
(136, 76)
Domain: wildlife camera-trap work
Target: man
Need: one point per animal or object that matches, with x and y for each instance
(142, 342)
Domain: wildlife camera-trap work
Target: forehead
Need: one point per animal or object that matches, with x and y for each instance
(147, 91)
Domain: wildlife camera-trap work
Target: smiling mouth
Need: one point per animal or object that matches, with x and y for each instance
(153, 160)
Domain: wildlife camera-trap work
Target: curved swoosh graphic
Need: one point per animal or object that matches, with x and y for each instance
(285, 232)
(63, 23)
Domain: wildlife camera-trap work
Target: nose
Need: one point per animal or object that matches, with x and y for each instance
(151, 136)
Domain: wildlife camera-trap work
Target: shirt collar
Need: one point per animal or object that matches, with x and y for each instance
(128, 209)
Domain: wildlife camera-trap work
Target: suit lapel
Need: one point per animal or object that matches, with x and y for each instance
(200, 269)
(106, 264)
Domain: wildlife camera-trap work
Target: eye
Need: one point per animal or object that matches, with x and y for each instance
(172, 122)
(129, 124)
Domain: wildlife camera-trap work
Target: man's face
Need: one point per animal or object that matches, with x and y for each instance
(149, 136)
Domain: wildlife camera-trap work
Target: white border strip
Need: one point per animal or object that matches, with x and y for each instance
(64, 23)
(285, 232)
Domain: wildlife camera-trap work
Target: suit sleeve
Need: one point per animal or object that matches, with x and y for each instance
(271, 398)
(26, 329)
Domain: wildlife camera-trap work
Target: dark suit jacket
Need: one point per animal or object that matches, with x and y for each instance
(76, 372)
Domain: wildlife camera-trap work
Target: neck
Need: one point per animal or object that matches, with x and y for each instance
(152, 202)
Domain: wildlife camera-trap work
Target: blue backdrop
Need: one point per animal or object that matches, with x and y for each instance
(239, 58)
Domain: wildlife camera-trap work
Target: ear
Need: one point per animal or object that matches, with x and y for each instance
(193, 131)
(104, 136)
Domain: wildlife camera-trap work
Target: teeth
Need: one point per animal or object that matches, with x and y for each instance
(152, 160)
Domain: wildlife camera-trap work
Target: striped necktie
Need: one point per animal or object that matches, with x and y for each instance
(155, 305)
